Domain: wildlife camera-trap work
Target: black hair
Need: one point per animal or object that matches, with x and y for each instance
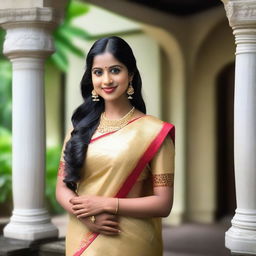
(85, 118)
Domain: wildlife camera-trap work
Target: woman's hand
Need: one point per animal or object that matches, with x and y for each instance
(106, 224)
(86, 206)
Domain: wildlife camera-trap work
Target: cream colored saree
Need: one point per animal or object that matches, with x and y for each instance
(114, 162)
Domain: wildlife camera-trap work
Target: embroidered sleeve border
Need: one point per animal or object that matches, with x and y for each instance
(164, 180)
(61, 170)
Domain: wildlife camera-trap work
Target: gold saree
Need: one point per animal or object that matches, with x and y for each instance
(113, 164)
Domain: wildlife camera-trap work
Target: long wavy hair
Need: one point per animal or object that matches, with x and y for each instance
(85, 118)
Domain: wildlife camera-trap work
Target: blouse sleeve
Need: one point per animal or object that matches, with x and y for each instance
(162, 165)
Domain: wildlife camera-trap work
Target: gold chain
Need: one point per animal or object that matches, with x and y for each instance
(108, 125)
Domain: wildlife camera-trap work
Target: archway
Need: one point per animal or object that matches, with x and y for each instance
(202, 117)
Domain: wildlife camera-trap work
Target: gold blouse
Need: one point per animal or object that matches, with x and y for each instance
(161, 167)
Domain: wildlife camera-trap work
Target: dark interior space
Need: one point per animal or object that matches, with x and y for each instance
(179, 7)
(226, 198)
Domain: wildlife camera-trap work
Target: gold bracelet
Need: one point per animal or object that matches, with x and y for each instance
(117, 206)
(93, 219)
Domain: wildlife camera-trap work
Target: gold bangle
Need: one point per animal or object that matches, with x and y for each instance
(93, 219)
(117, 206)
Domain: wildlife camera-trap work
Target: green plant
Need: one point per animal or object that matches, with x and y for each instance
(52, 160)
(5, 94)
(5, 165)
(65, 33)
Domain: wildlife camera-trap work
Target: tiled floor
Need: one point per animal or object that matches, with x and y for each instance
(193, 239)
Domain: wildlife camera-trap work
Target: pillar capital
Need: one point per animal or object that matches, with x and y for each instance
(31, 41)
(242, 18)
(25, 16)
(241, 13)
(29, 30)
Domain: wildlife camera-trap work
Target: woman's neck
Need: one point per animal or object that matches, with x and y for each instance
(117, 109)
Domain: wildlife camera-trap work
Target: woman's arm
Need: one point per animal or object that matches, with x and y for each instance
(63, 193)
(157, 205)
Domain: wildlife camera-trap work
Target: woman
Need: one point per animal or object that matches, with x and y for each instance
(117, 166)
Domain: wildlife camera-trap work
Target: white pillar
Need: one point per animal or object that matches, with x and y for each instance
(241, 237)
(28, 42)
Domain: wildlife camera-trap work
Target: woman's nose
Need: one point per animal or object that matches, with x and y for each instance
(107, 79)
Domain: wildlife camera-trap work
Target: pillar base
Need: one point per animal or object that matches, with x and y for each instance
(241, 237)
(30, 224)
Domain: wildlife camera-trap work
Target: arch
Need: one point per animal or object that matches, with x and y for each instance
(173, 108)
(221, 22)
(211, 57)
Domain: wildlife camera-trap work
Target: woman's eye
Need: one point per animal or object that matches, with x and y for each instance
(115, 70)
(97, 72)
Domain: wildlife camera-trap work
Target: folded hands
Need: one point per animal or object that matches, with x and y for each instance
(102, 208)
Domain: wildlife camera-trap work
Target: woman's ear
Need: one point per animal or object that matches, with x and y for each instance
(131, 76)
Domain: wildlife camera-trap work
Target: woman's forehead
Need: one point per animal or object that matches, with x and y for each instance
(105, 60)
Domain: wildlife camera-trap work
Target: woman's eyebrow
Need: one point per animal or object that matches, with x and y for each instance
(109, 67)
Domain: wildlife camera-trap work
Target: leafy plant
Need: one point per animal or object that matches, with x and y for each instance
(65, 33)
(52, 160)
(5, 166)
(5, 94)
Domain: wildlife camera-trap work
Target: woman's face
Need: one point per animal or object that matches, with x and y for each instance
(110, 77)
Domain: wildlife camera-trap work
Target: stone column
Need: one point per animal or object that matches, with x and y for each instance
(28, 42)
(241, 237)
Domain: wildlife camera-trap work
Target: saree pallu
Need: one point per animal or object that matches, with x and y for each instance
(113, 163)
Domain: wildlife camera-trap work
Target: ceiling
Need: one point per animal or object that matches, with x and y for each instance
(179, 7)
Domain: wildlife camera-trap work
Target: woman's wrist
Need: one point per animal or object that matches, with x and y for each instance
(112, 205)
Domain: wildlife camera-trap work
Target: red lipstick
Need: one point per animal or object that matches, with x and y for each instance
(109, 89)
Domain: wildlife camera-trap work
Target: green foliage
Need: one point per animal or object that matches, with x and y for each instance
(52, 160)
(5, 87)
(65, 33)
(52, 163)
(75, 9)
(5, 94)
(2, 35)
(5, 166)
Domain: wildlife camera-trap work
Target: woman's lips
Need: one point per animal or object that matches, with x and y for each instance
(109, 89)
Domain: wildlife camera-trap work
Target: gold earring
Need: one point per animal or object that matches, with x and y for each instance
(95, 96)
(130, 91)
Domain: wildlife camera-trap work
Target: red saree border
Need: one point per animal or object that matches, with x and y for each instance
(93, 236)
(130, 181)
(101, 136)
(147, 156)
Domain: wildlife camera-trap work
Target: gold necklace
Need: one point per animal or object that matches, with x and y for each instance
(108, 125)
